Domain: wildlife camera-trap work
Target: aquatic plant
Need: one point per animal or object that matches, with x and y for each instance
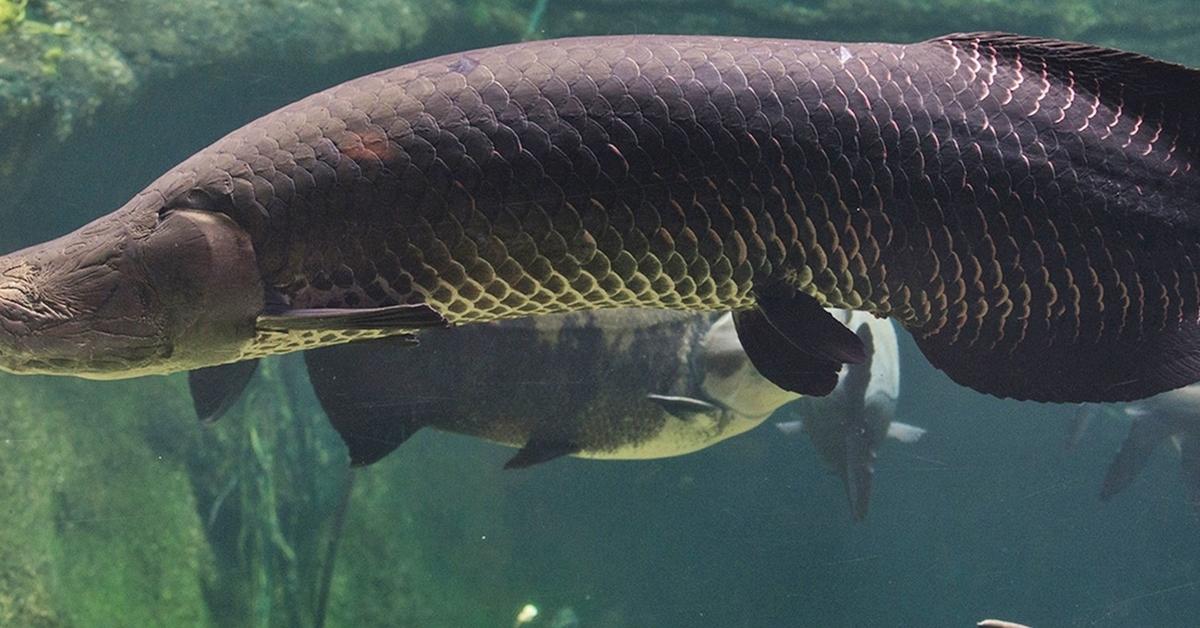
(535, 18)
(268, 481)
(12, 12)
(76, 483)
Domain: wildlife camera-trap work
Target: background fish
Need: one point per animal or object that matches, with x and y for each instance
(848, 426)
(608, 385)
(1026, 207)
(1171, 417)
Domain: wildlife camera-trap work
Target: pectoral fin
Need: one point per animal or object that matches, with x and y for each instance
(776, 359)
(791, 428)
(808, 326)
(1081, 421)
(1189, 467)
(794, 342)
(216, 388)
(415, 316)
(370, 436)
(1145, 435)
(904, 432)
(686, 408)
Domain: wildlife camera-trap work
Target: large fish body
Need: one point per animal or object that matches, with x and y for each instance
(609, 384)
(1026, 208)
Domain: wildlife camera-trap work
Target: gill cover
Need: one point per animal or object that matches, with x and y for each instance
(203, 270)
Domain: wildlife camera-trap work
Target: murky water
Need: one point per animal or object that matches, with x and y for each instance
(120, 510)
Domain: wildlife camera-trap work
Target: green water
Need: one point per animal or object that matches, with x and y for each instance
(119, 510)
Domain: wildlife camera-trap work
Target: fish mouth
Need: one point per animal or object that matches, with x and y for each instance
(90, 369)
(42, 359)
(63, 348)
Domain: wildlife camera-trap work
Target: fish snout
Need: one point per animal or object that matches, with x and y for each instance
(110, 301)
(66, 310)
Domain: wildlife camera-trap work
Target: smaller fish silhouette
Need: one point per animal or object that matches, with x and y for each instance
(1171, 417)
(848, 426)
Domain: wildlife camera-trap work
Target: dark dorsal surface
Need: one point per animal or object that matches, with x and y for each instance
(1027, 208)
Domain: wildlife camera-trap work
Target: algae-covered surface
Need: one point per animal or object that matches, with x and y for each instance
(1165, 28)
(98, 528)
(121, 510)
(63, 61)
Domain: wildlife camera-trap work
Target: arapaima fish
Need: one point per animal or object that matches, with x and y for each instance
(1027, 208)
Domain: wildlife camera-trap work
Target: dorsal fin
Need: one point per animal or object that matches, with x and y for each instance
(1109, 72)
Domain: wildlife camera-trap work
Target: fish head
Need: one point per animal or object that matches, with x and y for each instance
(883, 376)
(133, 293)
(728, 377)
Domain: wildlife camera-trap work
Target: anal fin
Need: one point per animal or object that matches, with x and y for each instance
(686, 408)
(1189, 467)
(1041, 367)
(537, 450)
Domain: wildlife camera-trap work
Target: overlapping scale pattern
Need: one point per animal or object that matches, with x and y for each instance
(971, 188)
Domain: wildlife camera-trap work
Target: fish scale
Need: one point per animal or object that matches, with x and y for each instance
(1027, 208)
(533, 73)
